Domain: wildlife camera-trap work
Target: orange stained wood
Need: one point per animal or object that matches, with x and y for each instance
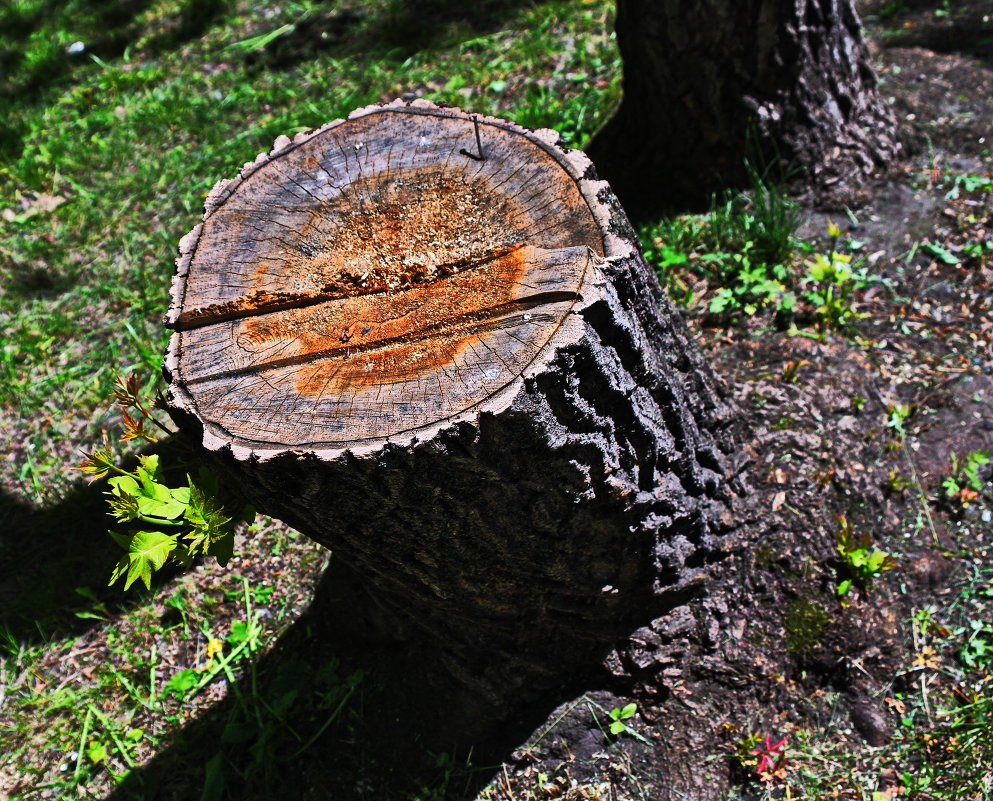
(377, 279)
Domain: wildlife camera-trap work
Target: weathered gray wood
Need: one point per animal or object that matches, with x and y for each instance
(538, 461)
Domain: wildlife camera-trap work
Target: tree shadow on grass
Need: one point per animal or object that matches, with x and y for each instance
(328, 713)
(394, 30)
(43, 43)
(105, 30)
(55, 561)
(54, 565)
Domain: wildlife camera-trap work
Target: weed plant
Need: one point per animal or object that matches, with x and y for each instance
(743, 257)
(737, 257)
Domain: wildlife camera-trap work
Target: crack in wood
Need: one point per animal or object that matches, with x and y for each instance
(349, 286)
(463, 326)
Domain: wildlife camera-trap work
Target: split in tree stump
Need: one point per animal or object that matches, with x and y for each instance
(427, 340)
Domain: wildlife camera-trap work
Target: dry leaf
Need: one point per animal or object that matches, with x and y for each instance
(32, 204)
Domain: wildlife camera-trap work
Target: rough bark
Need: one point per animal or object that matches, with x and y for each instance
(708, 83)
(538, 459)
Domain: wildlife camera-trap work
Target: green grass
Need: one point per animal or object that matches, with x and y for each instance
(735, 259)
(81, 711)
(743, 259)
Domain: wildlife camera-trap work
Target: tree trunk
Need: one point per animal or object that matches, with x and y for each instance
(709, 83)
(428, 341)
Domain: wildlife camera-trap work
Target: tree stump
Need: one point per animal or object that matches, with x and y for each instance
(711, 84)
(427, 340)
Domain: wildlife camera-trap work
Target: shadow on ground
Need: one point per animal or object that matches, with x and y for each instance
(55, 562)
(396, 30)
(106, 30)
(54, 565)
(330, 714)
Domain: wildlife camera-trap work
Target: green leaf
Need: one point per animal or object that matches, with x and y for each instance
(844, 588)
(124, 485)
(669, 256)
(261, 41)
(212, 528)
(222, 549)
(617, 727)
(974, 462)
(150, 466)
(944, 255)
(721, 301)
(181, 494)
(167, 508)
(152, 488)
(181, 683)
(629, 711)
(98, 462)
(239, 632)
(877, 561)
(819, 267)
(182, 556)
(96, 752)
(152, 499)
(124, 540)
(124, 507)
(147, 551)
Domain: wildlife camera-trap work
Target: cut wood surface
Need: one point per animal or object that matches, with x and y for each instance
(380, 276)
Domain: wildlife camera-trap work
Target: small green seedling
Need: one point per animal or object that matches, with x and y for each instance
(970, 183)
(966, 481)
(618, 715)
(861, 562)
(977, 652)
(896, 418)
(167, 523)
(830, 283)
